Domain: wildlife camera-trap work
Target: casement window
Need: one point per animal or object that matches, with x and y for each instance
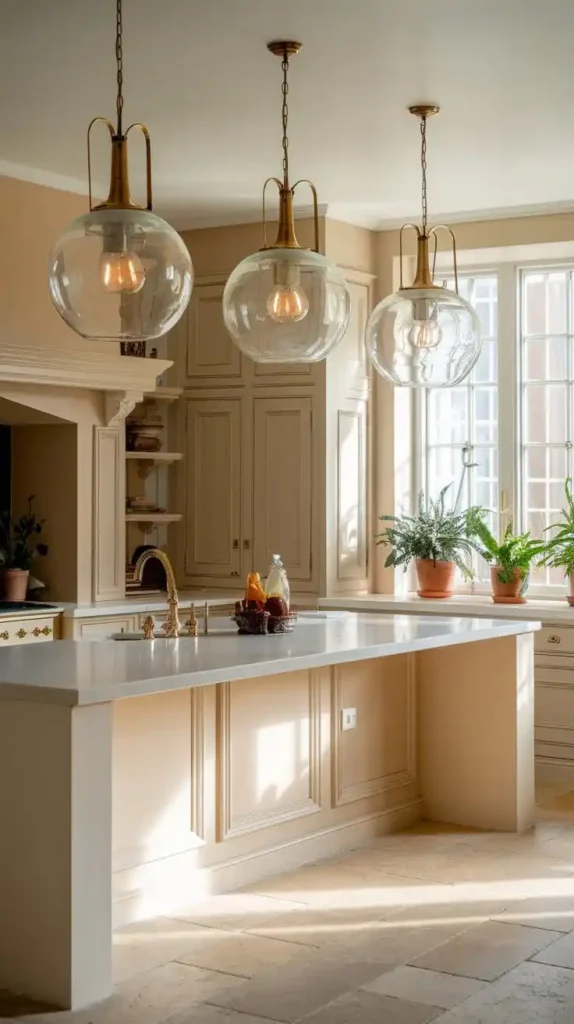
(512, 420)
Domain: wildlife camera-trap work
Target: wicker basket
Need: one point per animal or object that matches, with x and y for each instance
(252, 622)
(282, 623)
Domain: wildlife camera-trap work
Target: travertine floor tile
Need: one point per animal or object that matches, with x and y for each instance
(553, 912)
(299, 988)
(487, 951)
(428, 987)
(208, 1014)
(238, 953)
(236, 911)
(559, 953)
(529, 994)
(140, 947)
(368, 1008)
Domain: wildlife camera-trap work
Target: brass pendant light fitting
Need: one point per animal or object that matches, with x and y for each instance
(424, 277)
(286, 237)
(119, 197)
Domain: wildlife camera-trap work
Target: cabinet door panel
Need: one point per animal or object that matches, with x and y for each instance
(352, 491)
(213, 487)
(210, 351)
(282, 483)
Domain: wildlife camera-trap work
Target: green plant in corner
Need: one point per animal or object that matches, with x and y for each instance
(516, 552)
(559, 550)
(434, 533)
(19, 542)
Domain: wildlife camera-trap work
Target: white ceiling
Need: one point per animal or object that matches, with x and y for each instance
(198, 73)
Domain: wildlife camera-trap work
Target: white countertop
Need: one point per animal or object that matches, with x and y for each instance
(479, 605)
(149, 603)
(95, 672)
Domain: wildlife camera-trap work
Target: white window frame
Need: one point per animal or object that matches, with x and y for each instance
(507, 264)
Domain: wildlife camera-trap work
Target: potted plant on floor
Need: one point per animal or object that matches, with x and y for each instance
(559, 553)
(19, 545)
(437, 539)
(511, 561)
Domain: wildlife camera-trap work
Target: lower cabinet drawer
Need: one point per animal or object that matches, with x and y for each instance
(554, 706)
(103, 629)
(554, 640)
(26, 631)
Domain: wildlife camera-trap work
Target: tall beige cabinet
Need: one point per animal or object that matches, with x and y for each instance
(275, 457)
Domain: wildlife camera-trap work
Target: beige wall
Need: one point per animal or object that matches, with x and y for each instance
(31, 219)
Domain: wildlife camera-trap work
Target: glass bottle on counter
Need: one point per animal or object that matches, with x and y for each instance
(277, 584)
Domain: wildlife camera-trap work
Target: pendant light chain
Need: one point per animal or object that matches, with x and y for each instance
(120, 65)
(424, 170)
(285, 118)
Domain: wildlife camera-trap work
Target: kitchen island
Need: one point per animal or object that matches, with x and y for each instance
(137, 777)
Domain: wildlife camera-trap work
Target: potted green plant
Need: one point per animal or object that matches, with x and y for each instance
(437, 539)
(511, 561)
(19, 545)
(559, 552)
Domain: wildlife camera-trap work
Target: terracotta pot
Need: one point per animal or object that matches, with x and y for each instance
(15, 584)
(570, 597)
(506, 593)
(436, 579)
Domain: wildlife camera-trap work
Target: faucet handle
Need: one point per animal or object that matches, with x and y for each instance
(148, 627)
(191, 624)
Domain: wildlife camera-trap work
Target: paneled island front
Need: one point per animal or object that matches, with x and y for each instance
(138, 777)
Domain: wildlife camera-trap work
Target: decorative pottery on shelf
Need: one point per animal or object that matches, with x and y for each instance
(436, 579)
(507, 593)
(144, 434)
(15, 584)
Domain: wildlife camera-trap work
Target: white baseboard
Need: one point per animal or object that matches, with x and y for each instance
(171, 886)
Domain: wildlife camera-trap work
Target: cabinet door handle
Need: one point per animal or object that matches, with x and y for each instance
(235, 544)
(554, 639)
(246, 545)
(235, 572)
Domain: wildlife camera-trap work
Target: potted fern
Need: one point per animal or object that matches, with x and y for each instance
(511, 561)
(438, 540)
(19, 545)
(559, 552)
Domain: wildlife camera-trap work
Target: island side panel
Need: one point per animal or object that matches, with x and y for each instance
(55, 871)
(221, 786)
(476, 733)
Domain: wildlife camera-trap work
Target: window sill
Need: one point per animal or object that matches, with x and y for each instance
(474, 605)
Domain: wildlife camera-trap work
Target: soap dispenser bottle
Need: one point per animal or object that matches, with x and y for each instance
(277, 584)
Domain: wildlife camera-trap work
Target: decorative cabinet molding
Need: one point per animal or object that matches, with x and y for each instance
(382, 690)
(283, 504)
(209, 353)
(109, 500)
(27, 631)
(276, 455)
(248, 487)
(212, 500)
(352, 515)
(233, 703)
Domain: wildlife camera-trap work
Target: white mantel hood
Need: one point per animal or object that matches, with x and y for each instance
(41, 375)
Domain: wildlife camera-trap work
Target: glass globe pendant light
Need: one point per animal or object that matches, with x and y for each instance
(286, 303)
(424, 335)
(120, 273)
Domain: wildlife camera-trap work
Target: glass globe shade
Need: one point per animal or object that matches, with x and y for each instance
(286, 306)
(120, 275)
(423, 337)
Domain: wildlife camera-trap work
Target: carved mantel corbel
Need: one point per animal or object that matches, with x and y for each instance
(119, 404)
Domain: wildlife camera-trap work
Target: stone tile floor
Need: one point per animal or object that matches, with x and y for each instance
(431, 924)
